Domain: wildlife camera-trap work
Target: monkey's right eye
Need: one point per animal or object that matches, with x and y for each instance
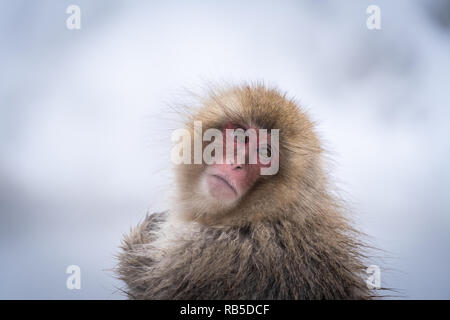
(265, 151)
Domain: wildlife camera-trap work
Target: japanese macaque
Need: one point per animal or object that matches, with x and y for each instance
(234, 233)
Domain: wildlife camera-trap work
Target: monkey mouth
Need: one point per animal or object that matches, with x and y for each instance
(226, 182)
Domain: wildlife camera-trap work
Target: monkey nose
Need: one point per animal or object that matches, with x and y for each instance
(235, 166)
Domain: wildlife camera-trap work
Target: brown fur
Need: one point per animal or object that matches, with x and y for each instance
(286, 239)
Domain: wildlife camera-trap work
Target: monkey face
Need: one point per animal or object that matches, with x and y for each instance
(240, 167)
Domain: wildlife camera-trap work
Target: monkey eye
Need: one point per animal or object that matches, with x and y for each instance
(265, 151)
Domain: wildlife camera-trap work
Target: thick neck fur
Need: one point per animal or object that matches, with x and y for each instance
(281, 260)
(306, 251)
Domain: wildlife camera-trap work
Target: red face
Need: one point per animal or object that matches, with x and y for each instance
(230, 180)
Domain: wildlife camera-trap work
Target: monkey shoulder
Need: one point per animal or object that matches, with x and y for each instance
(134, 260)
(144, 232)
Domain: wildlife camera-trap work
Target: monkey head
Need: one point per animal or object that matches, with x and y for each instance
(267, 158)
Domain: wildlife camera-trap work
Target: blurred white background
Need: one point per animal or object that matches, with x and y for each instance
(85, 124)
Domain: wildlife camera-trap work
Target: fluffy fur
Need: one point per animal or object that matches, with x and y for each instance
(287, 238)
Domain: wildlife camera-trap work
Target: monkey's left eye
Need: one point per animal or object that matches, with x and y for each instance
(265, 151)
